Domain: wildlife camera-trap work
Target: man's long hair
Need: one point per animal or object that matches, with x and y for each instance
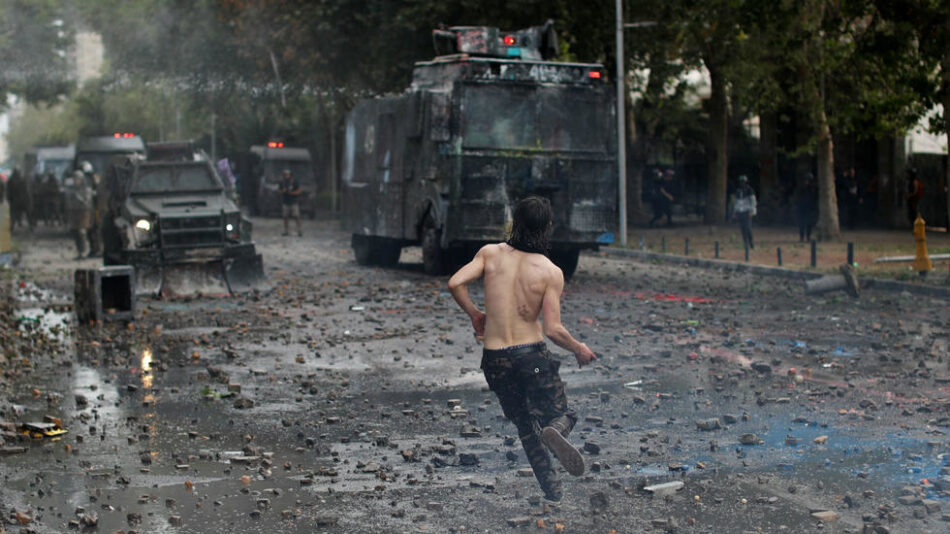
(531, 227)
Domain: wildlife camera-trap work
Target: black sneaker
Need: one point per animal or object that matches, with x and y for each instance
(299, 234)
(566, 453)
(285, 234)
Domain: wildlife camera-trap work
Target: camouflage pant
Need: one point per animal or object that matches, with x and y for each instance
(525, 379)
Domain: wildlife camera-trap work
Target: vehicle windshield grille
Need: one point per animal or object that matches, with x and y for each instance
(192, 232)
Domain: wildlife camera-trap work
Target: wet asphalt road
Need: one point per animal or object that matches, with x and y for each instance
(349, 399)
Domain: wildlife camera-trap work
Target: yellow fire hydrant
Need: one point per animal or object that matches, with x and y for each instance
(922, 263)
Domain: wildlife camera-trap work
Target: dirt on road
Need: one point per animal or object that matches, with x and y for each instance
(346, 399)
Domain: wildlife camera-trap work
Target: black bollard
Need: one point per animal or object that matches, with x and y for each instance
(663, 244)
(778, 252)
(643, 243)
(814, 253)
(850, 253)
(687, 247)
(717, 250)
(747, 253)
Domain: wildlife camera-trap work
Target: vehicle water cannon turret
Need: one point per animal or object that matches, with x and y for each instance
(536, 42)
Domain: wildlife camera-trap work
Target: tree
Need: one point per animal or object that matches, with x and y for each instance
(847, 69)
(926, 24)
(33, 50)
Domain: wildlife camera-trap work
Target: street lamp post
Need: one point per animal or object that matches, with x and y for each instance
(621, 133)
(621, 115)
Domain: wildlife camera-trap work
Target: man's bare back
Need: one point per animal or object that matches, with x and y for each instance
(519, 287)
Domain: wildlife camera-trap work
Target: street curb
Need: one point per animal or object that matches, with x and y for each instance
(763, 270)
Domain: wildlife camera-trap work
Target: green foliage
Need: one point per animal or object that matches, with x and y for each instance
(42, 125)
(33, 43)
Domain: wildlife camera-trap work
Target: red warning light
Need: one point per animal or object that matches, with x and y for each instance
(271, 144)
(595, 74)
(509, 40)
(117, 135)
(127, 134)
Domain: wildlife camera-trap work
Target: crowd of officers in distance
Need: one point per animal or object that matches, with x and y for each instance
(74, 202)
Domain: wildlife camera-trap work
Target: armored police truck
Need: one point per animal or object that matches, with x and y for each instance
(487, 123)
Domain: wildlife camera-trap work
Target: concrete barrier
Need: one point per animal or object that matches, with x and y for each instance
(106, 293)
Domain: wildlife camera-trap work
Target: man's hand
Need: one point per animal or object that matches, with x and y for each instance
(478, 322)
(584, 356)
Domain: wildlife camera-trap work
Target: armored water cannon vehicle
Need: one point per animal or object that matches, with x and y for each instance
(492, 122)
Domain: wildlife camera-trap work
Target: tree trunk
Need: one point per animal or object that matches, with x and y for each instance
(769, 190)
(827, 227)
(635, 214)
(717, 156)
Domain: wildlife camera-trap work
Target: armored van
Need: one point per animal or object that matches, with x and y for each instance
(174, 222)
(268, 163)
(480, 128)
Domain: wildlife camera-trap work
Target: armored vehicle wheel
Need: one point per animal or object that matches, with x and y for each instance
(566, 259)
(433, 257)
(362, 249)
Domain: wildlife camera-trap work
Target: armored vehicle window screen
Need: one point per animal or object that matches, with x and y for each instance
(153, 180)
(573, 119)
(502, 117)
(196, 179)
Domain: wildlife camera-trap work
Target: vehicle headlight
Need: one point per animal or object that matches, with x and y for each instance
(232, 226)
(142, 232)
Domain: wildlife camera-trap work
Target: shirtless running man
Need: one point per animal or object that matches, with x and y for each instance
(521, 284)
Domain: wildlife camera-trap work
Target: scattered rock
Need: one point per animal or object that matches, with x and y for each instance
(243, 403)
(327, 521)
(591, 447)
(827, 516)
(750, 439)
(664, 489)
(708, 424)
(519, 521)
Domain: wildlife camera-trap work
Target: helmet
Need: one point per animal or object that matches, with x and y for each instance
(86, 167)
(743, 178)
